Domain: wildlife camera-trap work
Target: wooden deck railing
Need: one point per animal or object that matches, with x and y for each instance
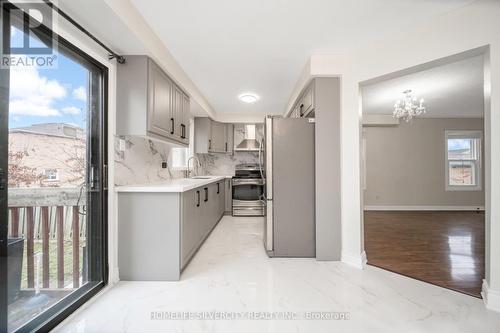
(45, 214)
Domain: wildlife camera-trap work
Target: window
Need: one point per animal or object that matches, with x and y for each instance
(51, 174)
(463, 160)
(179, 158)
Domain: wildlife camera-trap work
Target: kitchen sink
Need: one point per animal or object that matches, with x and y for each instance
(201, 177)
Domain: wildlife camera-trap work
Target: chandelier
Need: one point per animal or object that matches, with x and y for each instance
(408, 108)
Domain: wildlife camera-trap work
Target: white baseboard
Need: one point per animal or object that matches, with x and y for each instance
(491, 297)
(358, 261)
(428, 208)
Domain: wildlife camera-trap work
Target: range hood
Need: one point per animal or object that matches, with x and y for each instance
(248, 140)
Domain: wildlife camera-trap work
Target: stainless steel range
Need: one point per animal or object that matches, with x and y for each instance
(248, 191)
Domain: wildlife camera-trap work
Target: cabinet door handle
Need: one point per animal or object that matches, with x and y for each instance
(183, 131)
(301, 107)
(209, 144)
(226, 147)
(198, 202)
(218, 188)
(172, 125)
(206, 194)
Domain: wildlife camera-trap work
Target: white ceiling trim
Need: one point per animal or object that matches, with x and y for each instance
(158, 51)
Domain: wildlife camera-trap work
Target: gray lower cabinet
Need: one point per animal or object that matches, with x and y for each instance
(202, 211)
(222, 198)
(190, 230)
(208, 209)
(148, 236)
(160, 232)
(228, 197)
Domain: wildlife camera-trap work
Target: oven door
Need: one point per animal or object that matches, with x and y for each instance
(248, 197)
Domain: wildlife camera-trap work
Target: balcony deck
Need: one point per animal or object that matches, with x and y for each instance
(50, 262)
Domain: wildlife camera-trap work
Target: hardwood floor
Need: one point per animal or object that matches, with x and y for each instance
(442, 248)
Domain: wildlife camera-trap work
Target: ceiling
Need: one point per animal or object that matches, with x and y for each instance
(451, 90)
(228, 47)
(91, 14)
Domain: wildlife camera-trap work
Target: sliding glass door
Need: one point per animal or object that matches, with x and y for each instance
(52, 176)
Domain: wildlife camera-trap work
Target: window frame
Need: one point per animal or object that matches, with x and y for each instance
(478, 173)
(175, 167)
(98, 197)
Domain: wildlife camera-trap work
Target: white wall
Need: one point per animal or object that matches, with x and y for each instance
(137, 26)
(405, 165)
(469, 27)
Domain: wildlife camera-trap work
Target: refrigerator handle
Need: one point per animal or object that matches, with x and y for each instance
(261, 152)
(261, 144)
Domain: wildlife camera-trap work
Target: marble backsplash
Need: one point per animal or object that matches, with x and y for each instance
(141, 160)
(224, 164)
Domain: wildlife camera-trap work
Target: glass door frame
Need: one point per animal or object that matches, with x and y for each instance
(97, 195)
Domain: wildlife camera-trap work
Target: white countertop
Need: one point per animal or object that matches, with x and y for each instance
(173, 185)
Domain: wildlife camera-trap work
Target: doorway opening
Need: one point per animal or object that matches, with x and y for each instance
(423, 172)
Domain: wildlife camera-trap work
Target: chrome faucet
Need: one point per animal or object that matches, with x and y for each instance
(194, 171)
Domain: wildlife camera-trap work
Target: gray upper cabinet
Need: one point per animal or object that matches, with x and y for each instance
(229, 138)
(186, 118)
(160, 108)
(305, 104)
(202, 135)
(218, 139)
(149, 103)
(177, 100)
(181, 115)
(212, 136)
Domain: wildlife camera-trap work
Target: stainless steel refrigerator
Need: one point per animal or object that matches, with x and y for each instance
(287, 160)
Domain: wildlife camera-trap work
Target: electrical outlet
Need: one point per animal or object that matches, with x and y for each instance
(163, 165)
(122, 145)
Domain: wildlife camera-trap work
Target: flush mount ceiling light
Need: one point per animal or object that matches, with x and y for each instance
(248, 97)
(408, 108)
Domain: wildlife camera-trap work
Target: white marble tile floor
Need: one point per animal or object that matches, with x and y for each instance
(233, 280)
